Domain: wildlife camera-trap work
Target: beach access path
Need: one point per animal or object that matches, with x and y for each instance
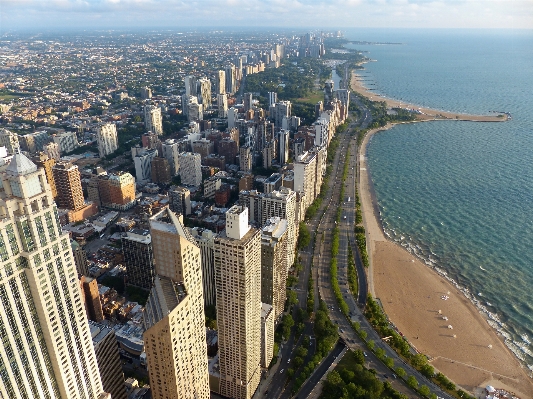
(411, 294)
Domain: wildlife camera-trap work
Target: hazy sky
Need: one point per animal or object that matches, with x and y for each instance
(286, 13)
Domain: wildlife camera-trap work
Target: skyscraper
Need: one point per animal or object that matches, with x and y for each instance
(138, 258)
(68, 185)
(190, 168)
(274, 264)
(175, 345)
(222, 103)
(247, 101)
(283, 140)
(44, 161)
(190, 85)
(204, 94)
(221, 82)
(171, 152)
(106, 136)
(238, 281)
(152, 119)
(46, 349)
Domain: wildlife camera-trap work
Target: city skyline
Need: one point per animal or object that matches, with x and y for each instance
(127, 14)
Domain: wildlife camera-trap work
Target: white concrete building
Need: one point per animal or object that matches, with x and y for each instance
(283, 142)
(106, 137)
(204, 93)
(46, 349)
(67, 142)
(9, 140)
(143, 165)
(190, 168)
(153, 121)
(171, 153)
(52, 150)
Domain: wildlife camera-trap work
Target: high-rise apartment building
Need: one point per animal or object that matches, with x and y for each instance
(175, 344)
(108, 359)
(280, 110)
(205, 239)
(272, 98)
(190, 168)
(267, 334)
(80, 259)
(160, 171)
(34, 142)
(274, 264)
(138, 258)
(143, 165)
(152, 119)
(222, 103)
(91, 298)
(68, 185)
(305, 176)
(9, 140)
(116, 190)
(171, 152)
(231, 86)
(283, 141)
(179, 199)
(40, 299)
(282, 204)
(245, 159)
(204, 95)
(146, 93)
(106, 137)
(247, 97)
(190, 86)
(44, 161)
(67, 141)
(221, 82)
(238, 282)
(52, 150)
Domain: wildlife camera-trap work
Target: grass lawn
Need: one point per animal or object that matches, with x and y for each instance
(348, 361)
(313, 98)
(7, 97)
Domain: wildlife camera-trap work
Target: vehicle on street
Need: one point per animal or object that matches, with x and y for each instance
(282, 370)
(364, 353)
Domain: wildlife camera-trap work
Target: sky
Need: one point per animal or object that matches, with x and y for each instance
(130, 14)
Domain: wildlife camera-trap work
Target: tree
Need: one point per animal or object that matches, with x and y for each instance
(424, 390)
(401, 372)
(363, 334)
(427, 370)
(370, 344)
(304, 237)
(389, 362)
(292, 299)
(419, 360)
(359, 356)
(380, 353)
(412, 382)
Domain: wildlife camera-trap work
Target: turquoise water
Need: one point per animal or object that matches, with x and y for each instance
(460, 194)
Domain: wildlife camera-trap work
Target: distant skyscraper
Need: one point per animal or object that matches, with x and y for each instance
(146, 93)
(191, 168)
(160, 171)
(143, 165)
(272, 98)
(52, 150)
(329, 91)
(221, 82)
(245, 159)
(205, 239)
(152, 119)
(190, 86)
(283, 141)
(46, 349)
(267, 334)
(106, 136)
(233, 115)
(222, 102)
(171, 152)
(231, 79)
(80, 259)
(247, 101)
(175, 344)
(238, 280)
(67, 142)
(204, 95)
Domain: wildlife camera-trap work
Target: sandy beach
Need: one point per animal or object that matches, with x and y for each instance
(412, 296)
(426, 114)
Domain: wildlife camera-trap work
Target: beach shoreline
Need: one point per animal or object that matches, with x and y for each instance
(472, 355)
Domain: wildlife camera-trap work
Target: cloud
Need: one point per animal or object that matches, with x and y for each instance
(283, 13)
